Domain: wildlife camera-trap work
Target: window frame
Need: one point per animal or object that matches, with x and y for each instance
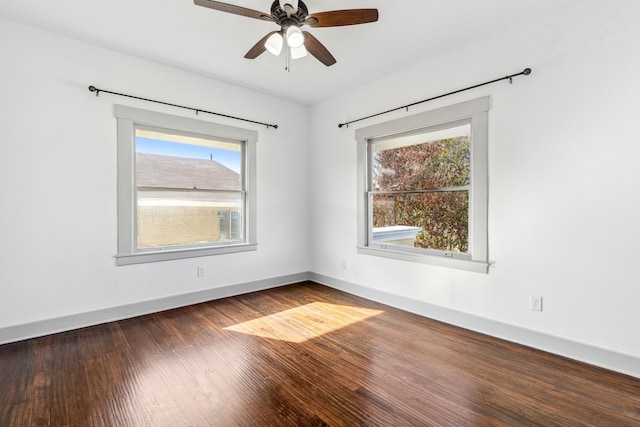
(476, 111)
(128, 118)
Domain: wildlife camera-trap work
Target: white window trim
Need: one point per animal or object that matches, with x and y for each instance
(128, 118)
(477, 111)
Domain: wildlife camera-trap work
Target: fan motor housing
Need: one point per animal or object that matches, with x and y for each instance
(281, 18)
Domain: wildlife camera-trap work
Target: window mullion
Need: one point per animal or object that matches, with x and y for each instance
(192, 190)
(432, 190)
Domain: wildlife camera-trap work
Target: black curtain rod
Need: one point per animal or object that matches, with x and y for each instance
(197, 110)
(524, 72)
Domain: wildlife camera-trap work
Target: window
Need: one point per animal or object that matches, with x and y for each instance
(186, 187)
(423, 186)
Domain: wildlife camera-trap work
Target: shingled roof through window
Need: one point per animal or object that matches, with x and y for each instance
(155, 170)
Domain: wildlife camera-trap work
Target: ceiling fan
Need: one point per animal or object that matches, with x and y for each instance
(290, 15)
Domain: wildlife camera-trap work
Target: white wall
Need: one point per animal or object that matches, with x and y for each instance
(58, 177)
(564, 199)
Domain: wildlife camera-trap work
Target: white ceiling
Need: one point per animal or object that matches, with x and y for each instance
(213, 43)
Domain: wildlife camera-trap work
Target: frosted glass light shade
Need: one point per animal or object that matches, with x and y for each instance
(274, 44)
(298, 52)
(295, 38)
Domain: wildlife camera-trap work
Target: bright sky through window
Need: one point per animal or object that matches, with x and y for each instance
(228, 158)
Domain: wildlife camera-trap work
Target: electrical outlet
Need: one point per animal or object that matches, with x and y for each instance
(535, 303)
(200, 271)
(344, 264)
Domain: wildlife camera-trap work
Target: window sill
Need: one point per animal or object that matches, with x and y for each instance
(168, 255)
(440, 261)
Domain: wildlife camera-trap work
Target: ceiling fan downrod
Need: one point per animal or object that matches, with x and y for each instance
(289, 6)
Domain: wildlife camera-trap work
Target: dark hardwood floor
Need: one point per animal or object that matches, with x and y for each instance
(301, 355)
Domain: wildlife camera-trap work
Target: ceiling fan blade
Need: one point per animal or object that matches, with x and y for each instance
(259, 47)
(317, 49)
(338, 18)
(236, 10)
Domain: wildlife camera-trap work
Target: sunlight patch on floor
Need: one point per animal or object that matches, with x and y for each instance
(305, 322)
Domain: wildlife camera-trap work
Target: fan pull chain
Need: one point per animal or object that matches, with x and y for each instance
(287, 64)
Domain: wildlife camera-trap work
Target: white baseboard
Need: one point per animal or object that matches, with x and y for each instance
(597, 356)
(619, 362)
(96, 317)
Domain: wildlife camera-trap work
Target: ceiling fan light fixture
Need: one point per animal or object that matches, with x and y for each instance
(298, 52)
(295, 38)
(274, 44)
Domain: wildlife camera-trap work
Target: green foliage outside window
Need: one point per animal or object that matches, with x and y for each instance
(442, 166)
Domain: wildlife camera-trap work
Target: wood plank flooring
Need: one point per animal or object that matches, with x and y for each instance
(301, 355)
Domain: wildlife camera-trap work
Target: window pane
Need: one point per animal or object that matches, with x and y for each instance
(169, 218)
(436, 221)
(430, 160)
(189, 190)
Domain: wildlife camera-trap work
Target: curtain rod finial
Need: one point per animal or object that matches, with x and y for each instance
(526, 71)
